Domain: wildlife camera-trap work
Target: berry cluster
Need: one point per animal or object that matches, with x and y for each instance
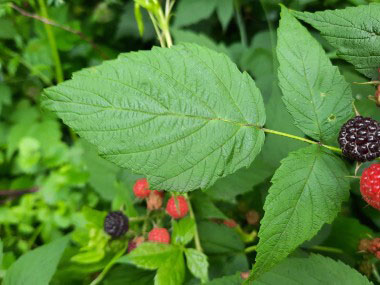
(370, 185)
(176, 207)
(359, 139)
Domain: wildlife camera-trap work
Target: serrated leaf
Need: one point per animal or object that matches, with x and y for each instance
(307, 192)
(183, 230)
(185, 15)
(129, 274)
(197, 263)
(36, 266)
(315, 94)
(354, 32)
(150, 255)
(183, 116)
(225, 11)
(314, 270)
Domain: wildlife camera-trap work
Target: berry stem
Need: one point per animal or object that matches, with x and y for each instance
(100, 277)
(327, 249)
(196, 235)
(332, 148)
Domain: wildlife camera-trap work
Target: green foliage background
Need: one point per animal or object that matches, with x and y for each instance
(54, 186)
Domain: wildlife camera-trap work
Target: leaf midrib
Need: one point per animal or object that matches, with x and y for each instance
(204, 118)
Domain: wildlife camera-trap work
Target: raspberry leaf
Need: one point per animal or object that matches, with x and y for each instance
(172, 272)
(37, 266)
(197, 263)
(183, 116)
(354, 32)
(315, 93)
(307, 192)
(313, 270)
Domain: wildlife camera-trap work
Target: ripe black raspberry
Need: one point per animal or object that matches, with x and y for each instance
(116, 224)
(359, 139)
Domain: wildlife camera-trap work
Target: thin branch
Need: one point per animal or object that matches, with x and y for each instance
(57, 25)
(17, 192)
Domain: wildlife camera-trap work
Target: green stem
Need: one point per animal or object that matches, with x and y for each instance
(52, 43)
(335, 149)
(250, 249)
(100, 277)
(375, 273)
(197, 240)
(327, 249)
(241, 25)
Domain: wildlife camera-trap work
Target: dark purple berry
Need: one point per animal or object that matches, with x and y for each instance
(116, 224)
(359, 139)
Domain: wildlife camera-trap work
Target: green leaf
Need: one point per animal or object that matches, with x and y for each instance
(190, 119)
(353, 32)
(150, 255)
(172, 272)
(219, 239)
(183, 230)
(192, 11)
(1, 253)
(36, 266)
(313, 270)
(225, 11)
(102, 172)
(307, 192)
(315, 94)
(197, 263)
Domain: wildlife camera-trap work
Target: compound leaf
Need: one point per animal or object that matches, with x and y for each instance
(315, 93)
(307, 192)
(183, 116)
(354, 32)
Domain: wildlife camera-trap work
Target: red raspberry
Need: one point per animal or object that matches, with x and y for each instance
(141, 188)
(370, 185)
(159, 235)
(177, 207)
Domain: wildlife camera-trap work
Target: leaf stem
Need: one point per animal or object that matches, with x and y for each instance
(327, 249)
(197, 240)
(332, 148)
(52, 43)
(250, 249)
(100, 277)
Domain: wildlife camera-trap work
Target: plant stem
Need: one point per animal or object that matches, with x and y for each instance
(100, 277)
(327, 249)
(52, 43)
(375, 273)
(335, 149)
(250, 249)
(240, 23)
(197, 241)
